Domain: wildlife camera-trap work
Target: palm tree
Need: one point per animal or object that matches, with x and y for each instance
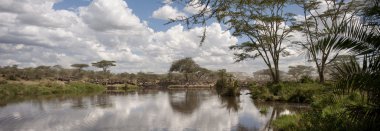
(364, 77)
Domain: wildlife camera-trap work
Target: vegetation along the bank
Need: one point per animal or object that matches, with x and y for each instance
(47, 88)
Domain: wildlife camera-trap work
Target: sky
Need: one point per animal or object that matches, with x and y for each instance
(131, 32)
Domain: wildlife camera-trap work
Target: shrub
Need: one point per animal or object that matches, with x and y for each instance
(261, 93)
(287, 91)
(306, 79)
(226, 87)
(287, 122)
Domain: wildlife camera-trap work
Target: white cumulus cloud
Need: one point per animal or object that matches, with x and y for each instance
(167, 12)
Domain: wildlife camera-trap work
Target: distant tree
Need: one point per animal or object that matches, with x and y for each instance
(42, 71)
(340, 59)
(262, 75)
(104, 64)
(202, 73)
(79, 66)
(265, 74)
(10, 72)
(300, 70)
(185, 66)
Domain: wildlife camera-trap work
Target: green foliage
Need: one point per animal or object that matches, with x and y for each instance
(261, 93)
(47, 88)
(287, 122)
(290, 92)
(306, 79)
(189, 69)
(226, 85)
(263, 110)
(329, 113)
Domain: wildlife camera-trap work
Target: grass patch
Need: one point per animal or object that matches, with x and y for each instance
(47, 88)
(287, 122)
(263, 110)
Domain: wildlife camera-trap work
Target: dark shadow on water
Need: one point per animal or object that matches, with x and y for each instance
(185, 102)
(230, 103)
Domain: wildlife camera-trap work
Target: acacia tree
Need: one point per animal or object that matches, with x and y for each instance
(104, 64)
(264, 23)
(322, 23)
(185, 66)
(202, 73)
(79, 66)
(300, 70)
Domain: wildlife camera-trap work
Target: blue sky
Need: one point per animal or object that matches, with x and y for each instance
(142, 8)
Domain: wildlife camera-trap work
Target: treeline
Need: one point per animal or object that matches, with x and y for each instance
(182, 72)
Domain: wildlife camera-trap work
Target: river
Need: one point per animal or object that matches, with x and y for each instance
(182, 110)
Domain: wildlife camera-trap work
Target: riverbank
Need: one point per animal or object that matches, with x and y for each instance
(329, 109)
(190, 86)
(288, 92)
(38, 88)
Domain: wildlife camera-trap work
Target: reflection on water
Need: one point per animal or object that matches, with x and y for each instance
(149, 110)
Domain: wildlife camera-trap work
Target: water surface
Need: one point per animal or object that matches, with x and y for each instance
(192, 110)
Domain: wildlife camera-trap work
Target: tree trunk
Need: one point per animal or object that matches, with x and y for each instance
(277, 74)
(186, 78)
(321, 76)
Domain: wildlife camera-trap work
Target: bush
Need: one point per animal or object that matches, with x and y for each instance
(287, 91)
(261, 93)
(226, 87)
(329, 113)
(287, 122)
(306, 79)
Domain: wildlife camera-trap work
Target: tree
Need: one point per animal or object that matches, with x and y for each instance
(321, 28)
(185, 66)
(264, 23)
(104, 64)
(79, 66)
(300, 70)
(226, 85)
(201, 73)
(264, 75)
